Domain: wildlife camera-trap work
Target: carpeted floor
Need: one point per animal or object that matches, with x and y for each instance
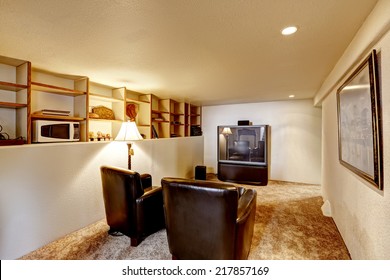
(289, 225)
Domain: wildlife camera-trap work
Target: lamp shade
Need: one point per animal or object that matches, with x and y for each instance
(226, 130)
(128, 132)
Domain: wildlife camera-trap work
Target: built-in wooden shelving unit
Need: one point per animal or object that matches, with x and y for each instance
(26, 91)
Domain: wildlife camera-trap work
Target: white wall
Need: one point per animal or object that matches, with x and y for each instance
(175, 157)
(295, 136)
(50, 190)
(361, 213)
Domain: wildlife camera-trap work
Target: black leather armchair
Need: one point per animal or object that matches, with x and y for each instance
(208, 219)
(133, 207)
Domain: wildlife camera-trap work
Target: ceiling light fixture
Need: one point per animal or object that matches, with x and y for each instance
(289, 30)
(291, 96)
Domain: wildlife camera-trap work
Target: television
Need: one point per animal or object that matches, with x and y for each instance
(242, 144)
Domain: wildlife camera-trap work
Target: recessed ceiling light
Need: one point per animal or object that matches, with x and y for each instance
(291, 96)
(289, 30)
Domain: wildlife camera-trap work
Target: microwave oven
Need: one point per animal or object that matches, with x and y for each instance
(45, 131)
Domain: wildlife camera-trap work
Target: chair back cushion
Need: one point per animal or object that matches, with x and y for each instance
(121, 188)
(200, 218)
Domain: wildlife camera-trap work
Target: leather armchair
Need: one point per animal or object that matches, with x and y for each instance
(133, 207)
(208, 219)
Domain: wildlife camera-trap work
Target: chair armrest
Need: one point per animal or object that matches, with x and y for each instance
(150, 211)
(245, 222)
(146, 180)
(241, 191)
(246, 203)
(152, 191)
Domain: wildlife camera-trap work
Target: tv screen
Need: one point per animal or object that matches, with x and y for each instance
(242, 144)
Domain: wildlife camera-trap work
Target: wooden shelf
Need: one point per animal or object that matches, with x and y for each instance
(158, 121)
(12, 105)
(130, 100)
(55, 89)
(12, 142)
(12, 86)
(16, 94)
(112, 98)
(104, 120)
(104, 98)
(51, 117)
(159, 112)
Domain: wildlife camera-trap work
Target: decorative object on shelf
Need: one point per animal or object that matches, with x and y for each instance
(129, 132)
(104, 112)
(359, 120)
(131, 111)
(5, 141)
(93, 115)
(100, 135)
(91, 136)
(3, 135)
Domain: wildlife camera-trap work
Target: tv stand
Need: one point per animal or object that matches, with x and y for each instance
(245, 174)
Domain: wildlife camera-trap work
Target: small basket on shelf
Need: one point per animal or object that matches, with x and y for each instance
(101, 112)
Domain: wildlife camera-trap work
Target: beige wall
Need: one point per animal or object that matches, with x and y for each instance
(50, 190)
(361, 213)
(295, 136)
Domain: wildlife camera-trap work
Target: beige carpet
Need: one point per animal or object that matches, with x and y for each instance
(289, 225)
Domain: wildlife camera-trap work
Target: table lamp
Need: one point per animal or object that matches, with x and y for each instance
(129, 132)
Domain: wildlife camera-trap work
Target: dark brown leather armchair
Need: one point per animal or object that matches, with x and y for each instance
(208, 219)
(133, 207)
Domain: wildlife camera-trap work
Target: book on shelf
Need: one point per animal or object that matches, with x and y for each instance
(52, 112)
(154, 132)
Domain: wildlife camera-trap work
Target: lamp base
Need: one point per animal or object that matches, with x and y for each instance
(130, 153)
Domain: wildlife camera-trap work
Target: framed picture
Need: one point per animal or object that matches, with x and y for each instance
(359, 122)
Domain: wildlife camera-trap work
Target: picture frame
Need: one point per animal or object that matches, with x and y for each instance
(359, 122)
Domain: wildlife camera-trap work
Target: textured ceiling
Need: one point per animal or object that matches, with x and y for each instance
(207, 52)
